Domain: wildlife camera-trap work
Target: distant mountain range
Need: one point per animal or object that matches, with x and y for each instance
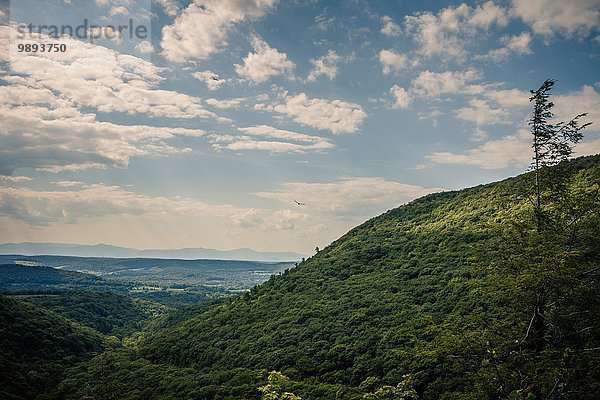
(105, 250)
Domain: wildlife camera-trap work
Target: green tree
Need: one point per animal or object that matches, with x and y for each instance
(544, 270)
(404, 390)
(552, 143)
(536, 334)
(273, 390)
(546, 283)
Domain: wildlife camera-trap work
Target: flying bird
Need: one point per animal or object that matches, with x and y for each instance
(215, 78)
(300, 204)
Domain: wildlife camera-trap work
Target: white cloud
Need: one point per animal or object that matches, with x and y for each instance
(389, 28)
(509, 97)
(551, 17)
(339, 204)
(42, 121)
(43, 208)
(323, 22)
(144, 47)
(488, 14)
(4, 180)
(447, 33)
(104, 32)
(436, 33)
(277, 141)
(432, 115)
(264, 63)
(350, 197)
(69, 183)
(402, 97)
(391, 61)
(113, 2)
(269, 131)
(280, 220)
(48, 133)
(210, 79)
(481, 113)
(118, 10)
(518, 44)
(509, 151)
(101, 78)
(434, 84)
(479, 135)
(105, 2)
(284, 220)
(515, 150)
(335, 115)
(228, 103)
(326, 65)
(250, 218)
(241, 144)
(171, 7)
(586, 100)
(202, 28)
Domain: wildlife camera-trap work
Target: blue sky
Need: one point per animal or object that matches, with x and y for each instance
(205, 132)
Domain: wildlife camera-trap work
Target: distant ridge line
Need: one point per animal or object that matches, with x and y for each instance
(105, 250)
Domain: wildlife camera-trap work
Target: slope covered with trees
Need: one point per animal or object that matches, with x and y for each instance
(432, 298)
(20, 278)
(105, 312)
(37, 346)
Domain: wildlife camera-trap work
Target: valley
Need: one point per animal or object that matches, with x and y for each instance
(171, 281)
(431, 300)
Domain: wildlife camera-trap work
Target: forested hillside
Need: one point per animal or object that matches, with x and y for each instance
(431, 300)
(105, 312)
(38, 346)
(43, 335)
(17, 278)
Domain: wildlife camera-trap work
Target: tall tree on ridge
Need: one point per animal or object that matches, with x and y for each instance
(552, 143)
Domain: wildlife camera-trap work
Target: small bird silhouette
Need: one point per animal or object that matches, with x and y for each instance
(300, 204)
(215, 78)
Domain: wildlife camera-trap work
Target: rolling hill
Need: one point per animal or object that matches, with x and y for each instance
(431, 300)
(173, 282)
(38, 345)
(19, 277)
(387, 299)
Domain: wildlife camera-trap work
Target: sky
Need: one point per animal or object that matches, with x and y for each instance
(205, 127)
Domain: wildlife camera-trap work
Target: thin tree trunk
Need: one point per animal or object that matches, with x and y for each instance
(539, 324)
(538, 200)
